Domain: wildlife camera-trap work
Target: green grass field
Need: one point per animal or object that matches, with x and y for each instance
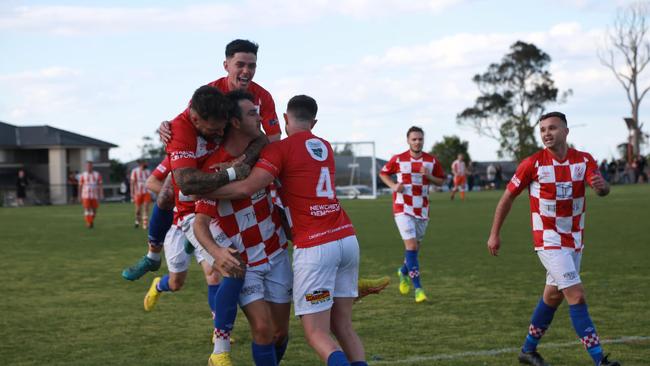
(63, 302)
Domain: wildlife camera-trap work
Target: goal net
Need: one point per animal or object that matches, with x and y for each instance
(356, 169)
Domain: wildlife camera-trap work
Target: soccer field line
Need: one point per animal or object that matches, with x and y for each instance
(498, 351)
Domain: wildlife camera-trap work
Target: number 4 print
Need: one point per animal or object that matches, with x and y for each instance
(324, 185)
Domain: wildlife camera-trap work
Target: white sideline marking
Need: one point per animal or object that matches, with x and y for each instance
(492, 352)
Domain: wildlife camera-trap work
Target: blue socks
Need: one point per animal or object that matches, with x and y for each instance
(359, 363)
(163, 285)
(413, 267)
(281, 349)
(404, 269)
(337, 358)
(539, 323)
(264, 355)
(227, 296)
(212, 297)
(586, 331)
(161, 221)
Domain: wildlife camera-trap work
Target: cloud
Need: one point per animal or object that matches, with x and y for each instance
(211, 16)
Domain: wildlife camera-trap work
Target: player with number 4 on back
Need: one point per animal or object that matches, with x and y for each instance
(326, 251)
(556, 178)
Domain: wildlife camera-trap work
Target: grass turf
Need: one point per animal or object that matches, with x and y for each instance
(63, 301)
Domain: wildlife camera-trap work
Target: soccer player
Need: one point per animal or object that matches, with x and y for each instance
(458, 168)
(326, 251)
(140, 195)
(415, 171)
(90, 193)
(556, 178)
(252, 226)
(240, 65)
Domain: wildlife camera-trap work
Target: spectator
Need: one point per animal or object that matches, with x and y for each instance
(604, 170)
(73, 184)
(639, 169)
(611, 171)
(498, 177)
(21, 188)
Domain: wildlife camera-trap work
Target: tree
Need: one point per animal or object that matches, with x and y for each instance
(513, 93)
(448, 149)
(627, 55)
(150, 149)
(117, 171)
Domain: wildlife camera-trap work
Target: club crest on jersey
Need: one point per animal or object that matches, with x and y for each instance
(318, 296)
(316, 149)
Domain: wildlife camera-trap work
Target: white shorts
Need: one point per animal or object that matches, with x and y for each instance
(270, 281)
(323, 272)
(188, 229)
(562, 267)
(177, 259)
(411, 227)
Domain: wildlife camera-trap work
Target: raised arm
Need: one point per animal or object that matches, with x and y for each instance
(500, 214)
(252, 152)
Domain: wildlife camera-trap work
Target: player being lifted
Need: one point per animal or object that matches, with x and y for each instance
(240, 65)
(556, 178)
(90, 193)
(326, 251)
(253, 226)
(415, 171)
(140, 195)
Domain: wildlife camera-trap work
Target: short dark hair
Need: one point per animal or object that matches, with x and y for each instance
(414, 129)
(302, 107)
(235, 96)
(559, 115)
(208, 102)
(241, 45)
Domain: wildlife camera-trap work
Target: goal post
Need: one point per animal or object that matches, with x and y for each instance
(356, 169)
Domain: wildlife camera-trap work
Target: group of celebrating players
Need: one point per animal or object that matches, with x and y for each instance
(234, 200)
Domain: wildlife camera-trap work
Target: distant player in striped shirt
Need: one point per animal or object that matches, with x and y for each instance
(90, 193)
(459, 170)
(415, 171)
(140, 195)
(556, 178)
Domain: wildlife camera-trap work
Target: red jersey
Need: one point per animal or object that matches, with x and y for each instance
(139, 180)
(89, 183)
(305, 167)
(162, 170)
(252, 224)
(414, 198)
(263, 101)
(557, 196)
(187, 149)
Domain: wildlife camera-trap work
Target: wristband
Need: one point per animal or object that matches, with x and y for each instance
(231, 174)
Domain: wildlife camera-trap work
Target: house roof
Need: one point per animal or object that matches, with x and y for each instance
(26, 137)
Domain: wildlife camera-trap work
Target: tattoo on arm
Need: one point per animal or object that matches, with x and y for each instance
(254, 148)
(194, 181)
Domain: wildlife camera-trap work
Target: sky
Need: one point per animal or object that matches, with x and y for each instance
(113, 70)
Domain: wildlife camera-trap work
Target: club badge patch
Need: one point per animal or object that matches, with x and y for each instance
(316, 149)
(318, 296)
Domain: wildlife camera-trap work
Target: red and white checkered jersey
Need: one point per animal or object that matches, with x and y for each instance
(187, 149)
(458, 168)
(304, 165)
(162, 170)
(139, 180)
(252, 224)
(414, 198)
(557, 196)
(89, 184)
